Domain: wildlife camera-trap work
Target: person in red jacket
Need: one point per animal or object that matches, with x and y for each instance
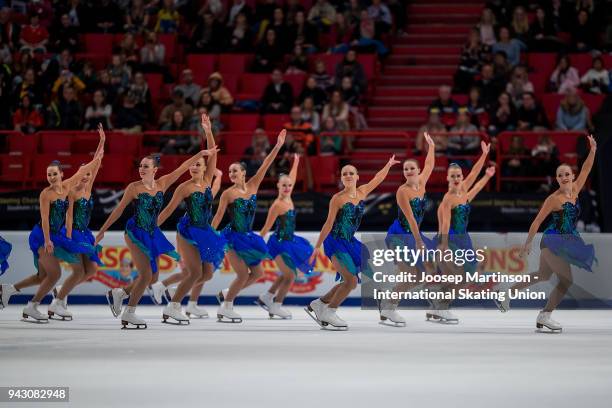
(26, 119)
(34, 37)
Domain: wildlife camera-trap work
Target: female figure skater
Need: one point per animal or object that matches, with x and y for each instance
(405, 230)
(143, 237)
(290, 252)
(453, 218)
(346, 209)
(5, 251)
(80, 206)
(246, 249)
(48, 241)
(561, 245)
(201, 247)
(164, 290)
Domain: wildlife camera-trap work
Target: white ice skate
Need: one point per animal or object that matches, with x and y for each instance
(331, 321)
(276, 309)
(58, 309)
(173, 311)
(157, 292)
(265, 300)
(226, 314)
(32, 315)
(169, 294)
(221, 296)
(504, 305)
(129, 318)
(544, 320)
(393, 317)
(115, 299)
(6, 291)
(315, 310)
(444, 316)
(56, 291)
(193, 311)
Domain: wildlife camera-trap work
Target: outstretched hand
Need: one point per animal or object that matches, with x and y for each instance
(429, 139)
(592, 142)
(209, 152)
(313, 257)
(485, 147)
(392, 161)
(101, 131)
(280, 140)
(206, 123)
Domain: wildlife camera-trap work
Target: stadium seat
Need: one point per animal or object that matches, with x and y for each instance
(84, 143)
(550, 103)
(170, 162)
(324, 171)
(254, 84)
(236, 142)
(155, 82)
(274, 123)
(114, 169)
(123, 143)
(101, 44)
(230, 81)
(297, 82)
(19, 144)
(542, 62)
(241, 122)
(233, 63)
(169, 42)
(202, 66)
(55, 143)
(14, 169)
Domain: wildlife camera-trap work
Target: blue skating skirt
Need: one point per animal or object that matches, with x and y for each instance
(5, 251)
(294, 252)
(87, 238)
(64, 248)
(398, 236)
(153, 245)
(349, 254)
(461, 242)
(210, 243)
(250, 247)
(571, 248)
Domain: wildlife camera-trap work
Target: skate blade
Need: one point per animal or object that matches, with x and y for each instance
(131, 326)
(277, 317)
(29, 319)
(391, 324)
(432, 317)
(500, 306)
(540, 328)
(224, 319)
(312, 314)
(111, 303)
(261, 304)
(195, 316)
(452, 321)
(327, 326)
(57, 317)
(170, 320)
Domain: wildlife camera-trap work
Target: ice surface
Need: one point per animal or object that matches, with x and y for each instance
(489, 360)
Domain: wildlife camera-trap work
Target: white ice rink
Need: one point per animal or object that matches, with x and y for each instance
(488, 360)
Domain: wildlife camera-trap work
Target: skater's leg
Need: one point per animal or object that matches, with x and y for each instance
(277, 283)
(192, 268)
(31, 280)
(543, 273)
(207, 274)
(564, 273)
(175, 277)
(78, 272)
(90, 270)
(285, 280)
(349, 282)
(242, 275)
(144, 273)
(326, 298)
(256, 274)
(53, 271)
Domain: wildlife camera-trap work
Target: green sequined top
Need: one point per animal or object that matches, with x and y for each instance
(146, 210)
(564, 221)
(242, 214)
(418, 210)
(57, 214)
(81, 213)
(460, 216)
(284, 227)
(199, 208)
(348, 220)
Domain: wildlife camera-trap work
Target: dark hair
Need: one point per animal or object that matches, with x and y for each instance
(454, 165)
(55, 163)
(155, 158)
(243, 165)
(281, 175)
(415, 161)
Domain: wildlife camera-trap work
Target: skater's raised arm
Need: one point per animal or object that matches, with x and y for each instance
(99, 153)
(166, 181)
(444, 216)
(177, 198)
(430, 159)
(216, 184)
(83, 170)
(273, 213)
(545, 210)
(45, 203)
(587, 165)
(490, 172)
(403, 200)
(471, 178)
(378, 178)
(128, 197)
(294, 168)
(334, 206)
(211, 163)
(254, 182)
(223, 201)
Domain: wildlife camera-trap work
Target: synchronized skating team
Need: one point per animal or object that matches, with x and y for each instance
(65, 208)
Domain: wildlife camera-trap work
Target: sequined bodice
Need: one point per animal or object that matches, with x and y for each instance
(57, 214)
(199, 207)
(81, 213)
(146, 210)
(460, 217)
(347, 220)
(242, 213)
(284, 227)
(418, 210)
(564, 221)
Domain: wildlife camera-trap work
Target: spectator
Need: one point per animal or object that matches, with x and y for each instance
(501, 67)
(43, 9)
(129, 118)
(104, 83)
(65, 36)
(278, 95)
(584, 35)
(241, 40)
(239, 7)
(490, 87)
(446, 105)
(291, 147)
(322, 14)
(11, 32)
(531, 116)
(542, 33)
(167, 18)
(269, 53)
(190, 89)
(312, 91)
(367, 34)
(216, 8)
(473, 56)
(350, 96)
(280, 28)
(519, 83)
(292, 8)
(515, 163)
(352, 14)
(560, 15)
(34, 37)
(137, 18)
(437, 131)
(463, 139)
(107, 17)
(141, 95)
(212, 109)
(330, 139)
(503, 115)
(88, 77)
(520, 25)
(299, 128)
(65, 79)
(6, 56)
(206, 35)
(476, 109)
(310, 115)
(597, 79)
(80, 14)
(487, 27)
(27, 119)
(324, 81)
(120, 73)
(341, 31)
(178, 143)
(301, 32)
(511, 46)
(298, 62)
(178, 103)
(352, 68)
(219, 93)
(380, 15)
(338, 109)
(546, 160)
(152, 54)
(255, 154)
(564, 76)
(29, 86)
(129, 50)
(66, 113)
(573, 113)
(98, 112)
